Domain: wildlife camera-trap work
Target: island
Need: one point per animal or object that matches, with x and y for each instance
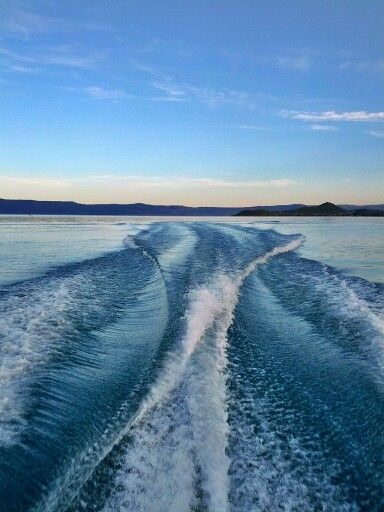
(323, 210)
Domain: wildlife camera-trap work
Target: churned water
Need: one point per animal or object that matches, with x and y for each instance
(191, 365)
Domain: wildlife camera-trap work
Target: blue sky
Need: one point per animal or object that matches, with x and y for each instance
(203, 102)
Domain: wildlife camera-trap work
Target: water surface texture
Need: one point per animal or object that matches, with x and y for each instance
(200, 365)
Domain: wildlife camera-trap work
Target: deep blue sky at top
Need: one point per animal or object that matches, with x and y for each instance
(220, 102)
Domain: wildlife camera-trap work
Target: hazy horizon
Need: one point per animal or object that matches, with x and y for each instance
(191, 205)
(219, 103)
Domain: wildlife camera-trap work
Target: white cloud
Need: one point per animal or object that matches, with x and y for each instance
(155, 190)
(23, 69)
(331, 115)
(188, 182)
(322, 128)
(68, 60)
(27, 24)
(185, 92)
(254, 127)
(31, 184)
(215, 97)
(301, 63)
(158, 180)
(169, 88)
(282, 183)
(99, 93)
(168, 99)
(362, 66)
(209, 96)
(62, 56)
(376, 134)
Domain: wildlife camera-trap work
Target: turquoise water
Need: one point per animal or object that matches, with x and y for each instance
(191, 364)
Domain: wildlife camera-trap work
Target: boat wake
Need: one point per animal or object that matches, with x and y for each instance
(212, 368)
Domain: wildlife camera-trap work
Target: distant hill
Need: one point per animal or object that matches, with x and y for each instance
(322, 210)
(277, 207)
(31, 207)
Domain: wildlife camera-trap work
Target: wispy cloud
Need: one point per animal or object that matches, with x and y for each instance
(152, 189)
(169, 88)
(170, 92)
(100, 93)
(207, 95)
(254, 127)
(175, 91)
(363, 66)
(17, 68)
(7, 181)
(152, 180)
(96, 92)
(215, 97)
(377, 134)
(331, 115)
(27, 24)
(305, 59)
(175, 182)
(298, 63)
(287, 59)
(322, 128)
(283, 182)
(61, 56)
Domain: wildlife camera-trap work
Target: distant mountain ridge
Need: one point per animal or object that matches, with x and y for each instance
(33, 207)
(323, 210)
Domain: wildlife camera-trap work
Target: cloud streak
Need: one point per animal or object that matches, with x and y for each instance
(254, 127)
(151, 189)
(300, 63)
(333, 116)
(54, 56)
(377, 134)
(173, 91)
(213, 97)
(322, 128)
(27, 24)
(99, 93)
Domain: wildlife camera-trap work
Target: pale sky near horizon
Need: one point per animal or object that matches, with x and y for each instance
(231, 103)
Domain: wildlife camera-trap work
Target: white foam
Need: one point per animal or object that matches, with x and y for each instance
(182, 423)
(134, 228)
(177, 253)
(173, 459)
(181, 429)
(349, 307)
(30, 325)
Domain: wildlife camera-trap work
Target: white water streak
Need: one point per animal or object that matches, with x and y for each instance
(30, 326)
(193, 378)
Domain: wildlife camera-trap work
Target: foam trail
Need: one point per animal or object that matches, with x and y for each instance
(193, 378)
(31, 324)
(185, 421)
(179, 252)
(207, 405)
(211, 307)
(204, 309)
(348, 306)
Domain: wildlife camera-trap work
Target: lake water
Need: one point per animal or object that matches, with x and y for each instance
(171, 365)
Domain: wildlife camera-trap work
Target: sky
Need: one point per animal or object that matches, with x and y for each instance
(220, 102)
